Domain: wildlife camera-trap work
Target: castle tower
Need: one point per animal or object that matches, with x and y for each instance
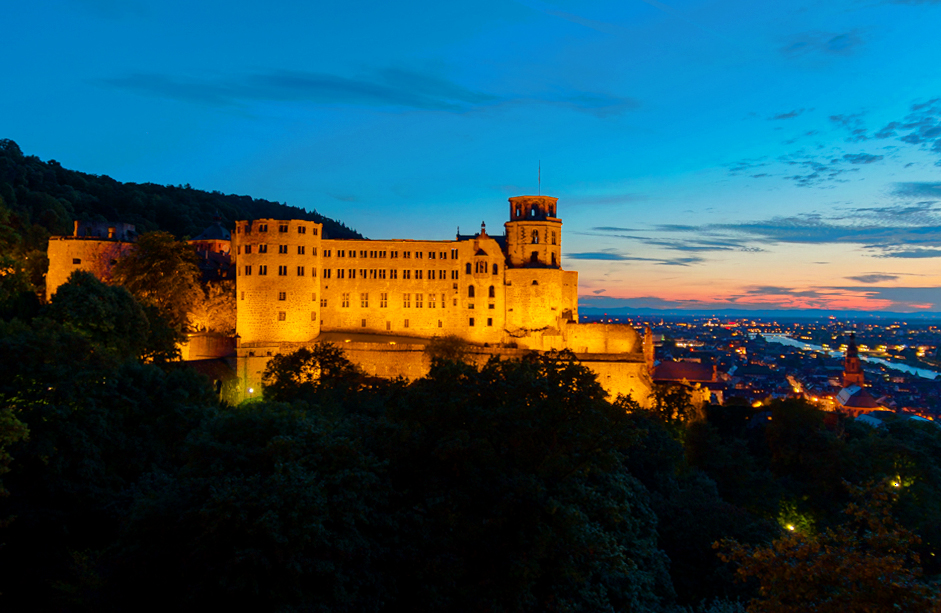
(534, 233)
(278, 280)
(852, 367)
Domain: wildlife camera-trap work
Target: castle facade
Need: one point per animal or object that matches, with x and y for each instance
(384, 299)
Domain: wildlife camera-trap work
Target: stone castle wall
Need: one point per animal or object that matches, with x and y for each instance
(68, 254)
(277, 280)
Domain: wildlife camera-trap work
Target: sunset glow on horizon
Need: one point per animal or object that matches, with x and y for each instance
(706, 154)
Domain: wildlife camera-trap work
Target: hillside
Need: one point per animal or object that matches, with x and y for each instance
(43, 198)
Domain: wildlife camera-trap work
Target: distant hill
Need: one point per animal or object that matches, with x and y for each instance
(780, 314)
(43, 198)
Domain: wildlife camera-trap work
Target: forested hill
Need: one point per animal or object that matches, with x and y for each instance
(45, 194)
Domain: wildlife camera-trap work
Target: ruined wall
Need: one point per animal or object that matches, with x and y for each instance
(626, 375)
(68, 254)
(539, 299)
(277, 280)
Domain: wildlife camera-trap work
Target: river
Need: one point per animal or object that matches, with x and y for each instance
(787, 340)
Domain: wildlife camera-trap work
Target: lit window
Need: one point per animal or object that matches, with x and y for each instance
(406, 301)
(431, 301)
(345, 300)
(364, 301)
(418, 301)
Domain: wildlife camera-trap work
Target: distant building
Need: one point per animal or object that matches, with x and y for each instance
(854, 398)
(95, 246)
(214, 248)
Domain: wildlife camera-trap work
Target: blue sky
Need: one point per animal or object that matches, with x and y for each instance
(724, 153)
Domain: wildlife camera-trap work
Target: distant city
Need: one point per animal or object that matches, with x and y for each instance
(755, 360)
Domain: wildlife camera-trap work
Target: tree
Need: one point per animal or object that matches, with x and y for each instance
(107, 315)
(307, 372)
(449, 347)
(216, 311)
(864, 565)
(161, 271)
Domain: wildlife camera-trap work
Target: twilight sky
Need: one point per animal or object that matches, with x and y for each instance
(734, 153)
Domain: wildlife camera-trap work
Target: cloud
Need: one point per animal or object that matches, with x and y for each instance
(694, 245)
(387, 87)
(789, 115)
(910, 254)
(922, 189)
(903, 231)
(921, 126)
(610, 255)
(874, 278)
(861, 158)
(827, 43)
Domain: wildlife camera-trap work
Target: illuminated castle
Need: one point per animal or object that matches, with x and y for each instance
(384, 299)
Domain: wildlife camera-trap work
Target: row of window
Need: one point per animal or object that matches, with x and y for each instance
(282, 270)
(263, 227)
(283, 316)
(263, 248)
(371, 253)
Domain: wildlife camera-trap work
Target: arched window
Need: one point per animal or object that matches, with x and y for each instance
(534, 211)
(470, 291)
(535, 237)
(467, 268)
(519, 211)
(493, 292)
(495, 269)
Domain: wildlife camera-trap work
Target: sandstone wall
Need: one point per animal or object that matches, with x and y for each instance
(277, 280)
(68, 254)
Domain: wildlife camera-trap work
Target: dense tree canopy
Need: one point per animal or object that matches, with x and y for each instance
(512, 486)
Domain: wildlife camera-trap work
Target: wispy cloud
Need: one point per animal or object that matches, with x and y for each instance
(873, 278)
(610, 255)
(388, 87)
(789, 115)
(828, 43)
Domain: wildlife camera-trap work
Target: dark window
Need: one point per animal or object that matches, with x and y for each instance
(489, 321)
(283, 228)
(76, 261)
(282, 296)
(534, 258)
(471, 322)
(470, 291)
(495, 269)
(282, 315)
(492, 292)
(467, 268)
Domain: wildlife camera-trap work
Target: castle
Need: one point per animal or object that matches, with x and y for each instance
(384, 299)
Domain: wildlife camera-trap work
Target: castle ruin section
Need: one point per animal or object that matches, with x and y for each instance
(381, 300)
(94, 246)
(277, 281)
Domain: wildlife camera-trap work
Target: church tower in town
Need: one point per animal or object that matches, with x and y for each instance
(852, 367)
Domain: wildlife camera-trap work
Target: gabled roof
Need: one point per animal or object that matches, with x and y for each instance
(215, 232)
(856, 397)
